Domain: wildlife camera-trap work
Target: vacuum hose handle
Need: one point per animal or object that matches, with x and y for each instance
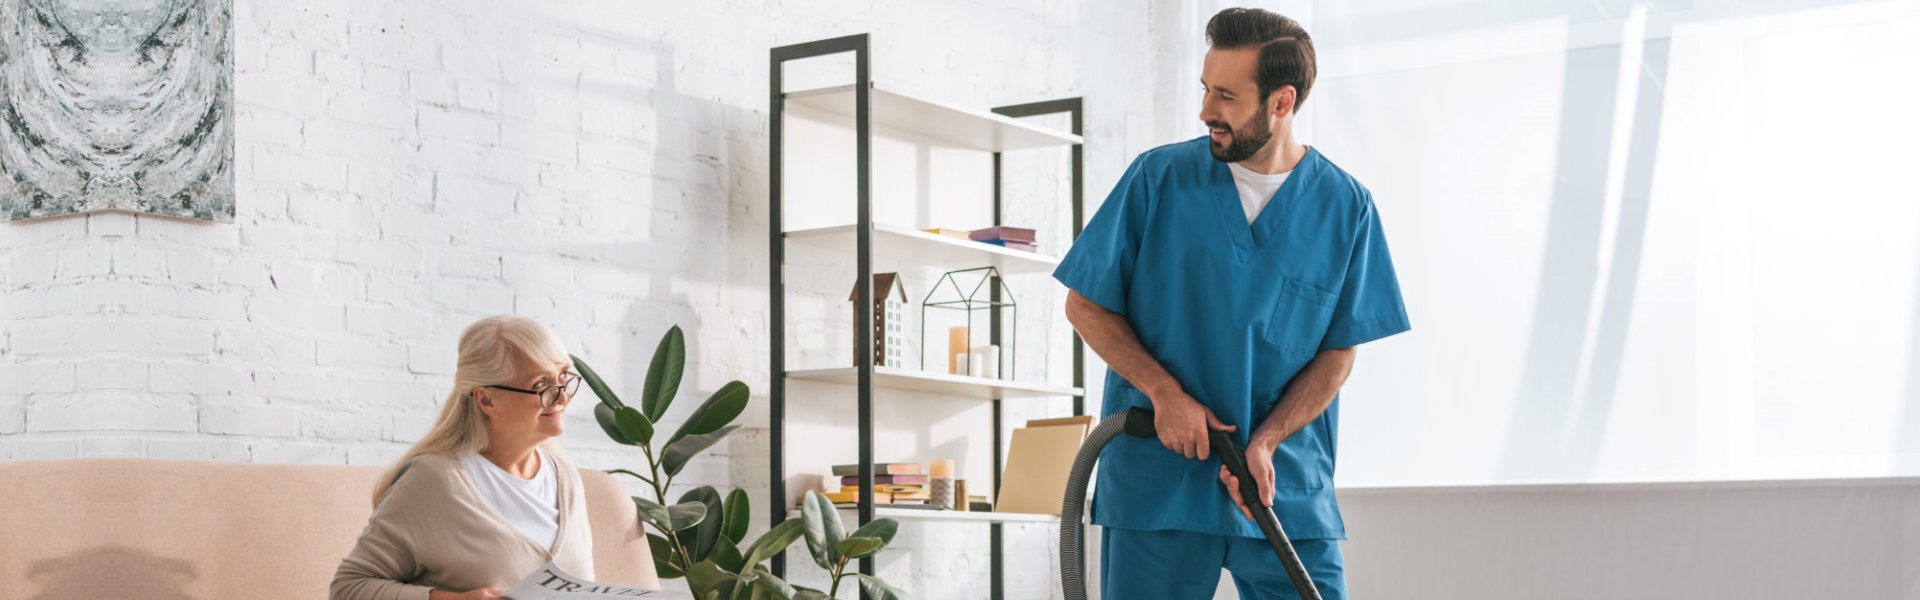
(1140, 424)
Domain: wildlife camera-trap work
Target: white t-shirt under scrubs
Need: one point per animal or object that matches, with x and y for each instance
(1256, 188)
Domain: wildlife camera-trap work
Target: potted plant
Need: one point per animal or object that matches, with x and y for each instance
(698, 537)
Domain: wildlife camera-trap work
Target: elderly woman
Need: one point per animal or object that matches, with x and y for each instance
(484, 498)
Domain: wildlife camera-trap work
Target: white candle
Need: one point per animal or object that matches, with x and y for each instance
(985, 361)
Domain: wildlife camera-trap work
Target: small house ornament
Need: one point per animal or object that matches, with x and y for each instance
(889, 320)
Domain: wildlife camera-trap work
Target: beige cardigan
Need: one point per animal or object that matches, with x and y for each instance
(435, 531)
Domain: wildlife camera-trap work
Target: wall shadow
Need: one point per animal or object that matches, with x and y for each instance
(1569, 270)
(1581, 447)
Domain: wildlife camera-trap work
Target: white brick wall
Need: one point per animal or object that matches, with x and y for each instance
(407, 167)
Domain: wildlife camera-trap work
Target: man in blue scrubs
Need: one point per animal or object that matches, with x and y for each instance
(1226, 281)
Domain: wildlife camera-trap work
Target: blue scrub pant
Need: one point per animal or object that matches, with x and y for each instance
(1182, 565)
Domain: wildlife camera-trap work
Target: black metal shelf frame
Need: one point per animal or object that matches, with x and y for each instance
(863, 351)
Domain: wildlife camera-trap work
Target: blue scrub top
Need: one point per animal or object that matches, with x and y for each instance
(1233, 311)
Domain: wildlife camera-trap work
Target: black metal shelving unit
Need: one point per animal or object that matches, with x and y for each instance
(862, 116)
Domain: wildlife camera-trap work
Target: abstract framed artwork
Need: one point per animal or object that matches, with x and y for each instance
(116, 105)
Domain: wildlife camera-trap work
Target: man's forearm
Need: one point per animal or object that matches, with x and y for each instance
(1309, 394)
(1110, 336)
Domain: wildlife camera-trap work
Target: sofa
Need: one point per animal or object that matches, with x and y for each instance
(178, 530)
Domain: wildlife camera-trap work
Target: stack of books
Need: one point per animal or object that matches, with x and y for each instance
(899, 484)
(1016, 238)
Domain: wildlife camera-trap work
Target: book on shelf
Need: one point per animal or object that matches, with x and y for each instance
(1003, 233)
(839, 497)
(1012, 245)
(891, 488)
(886, 479)
(952, 233)
(853, 470)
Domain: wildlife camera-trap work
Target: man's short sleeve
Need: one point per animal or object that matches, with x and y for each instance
(1100, 264)
(1370, 307)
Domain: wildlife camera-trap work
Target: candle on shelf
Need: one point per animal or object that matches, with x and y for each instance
(984, 361)
(957, 350)
(940, 483)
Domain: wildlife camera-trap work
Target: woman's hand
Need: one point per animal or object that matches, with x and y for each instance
(479, 594)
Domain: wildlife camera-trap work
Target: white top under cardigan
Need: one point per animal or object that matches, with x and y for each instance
(531, 505)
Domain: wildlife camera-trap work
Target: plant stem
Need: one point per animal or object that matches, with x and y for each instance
(635, 475)
(660, 495)
(838, 567)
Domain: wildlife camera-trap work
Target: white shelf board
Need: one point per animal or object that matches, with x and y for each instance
(938, 383)
(848, 515)
(922, 248)
(963, 127)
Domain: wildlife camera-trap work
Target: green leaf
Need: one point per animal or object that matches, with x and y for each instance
(596, 384)
(686, 514)
(775, 540)
(633, 425)
(800, 593)
(741, 590)
(879, 590)
(604, 414)
(663, 557)
(858, 547)
(681, 451)
(726, 554)
(823, 529)
(663, 376)
(706, 577)
(773, 586)
(882, 528)
(738, 513)
(701, 537)
(720, 409)
(652, 512)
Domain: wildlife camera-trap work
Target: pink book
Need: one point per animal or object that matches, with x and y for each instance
(1011, 234)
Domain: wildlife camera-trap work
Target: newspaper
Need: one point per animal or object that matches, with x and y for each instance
(550, 582)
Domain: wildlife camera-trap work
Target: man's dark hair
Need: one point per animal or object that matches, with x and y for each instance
(1286, 53)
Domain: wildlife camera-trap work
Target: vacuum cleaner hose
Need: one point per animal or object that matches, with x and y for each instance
(1073, 579)
(1139, 422)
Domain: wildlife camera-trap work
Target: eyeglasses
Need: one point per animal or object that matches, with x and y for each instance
(549, 394)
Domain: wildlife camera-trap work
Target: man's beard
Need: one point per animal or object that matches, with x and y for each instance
(1248, 138)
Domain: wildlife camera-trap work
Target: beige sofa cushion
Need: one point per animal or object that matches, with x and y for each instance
(167, 530)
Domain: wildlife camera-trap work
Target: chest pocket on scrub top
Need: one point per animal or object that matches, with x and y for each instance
(1300, 318)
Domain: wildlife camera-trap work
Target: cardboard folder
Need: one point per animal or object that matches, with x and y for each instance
(1038, 462)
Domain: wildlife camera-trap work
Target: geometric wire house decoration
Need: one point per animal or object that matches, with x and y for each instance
(116, 105)
(889, 319)
(971, 290)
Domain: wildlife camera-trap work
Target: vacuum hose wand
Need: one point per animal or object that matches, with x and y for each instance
(1139, 422)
